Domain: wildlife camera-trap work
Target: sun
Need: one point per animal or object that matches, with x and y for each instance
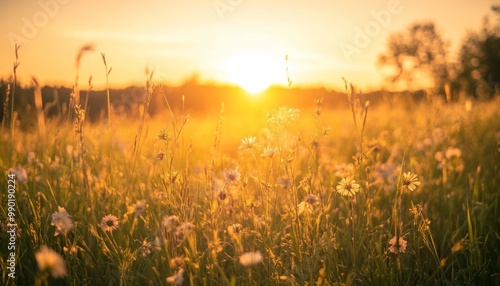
(254, 72)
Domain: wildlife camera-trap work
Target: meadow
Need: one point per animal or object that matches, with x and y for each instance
(385, 194)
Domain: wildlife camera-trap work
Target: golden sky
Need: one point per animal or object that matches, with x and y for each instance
(237, 41)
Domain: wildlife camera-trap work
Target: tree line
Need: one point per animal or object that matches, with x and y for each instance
(418, 57)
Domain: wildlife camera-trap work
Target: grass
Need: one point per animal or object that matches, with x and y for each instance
(191, 198)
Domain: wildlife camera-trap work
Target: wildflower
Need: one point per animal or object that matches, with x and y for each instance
(308, 204)
(73, 250)
(51, 261)
(250, 258)
(20, 172)
(109, 223)
(159, 156)
(270, 152)
(314, 144)
(169, 221)
(283, 115)
(234, 230)
(397, 245)
(347, 187)
(55, 163)
(410, 182)
(452, 153)
(177, 262)
(186, 228)
(454, 156)
(232, 175)
(163, 136)
(177, 278)
(145, 248)
(386, 175)
(137, 208)
(293, 113)
(215, 246)
(385, 172)
(326, 131)
(247, 143)
(440, 158)
(182, 231)
(285, 182)
(450, 159)
(305, 183)
(222, 195)
(62, 221)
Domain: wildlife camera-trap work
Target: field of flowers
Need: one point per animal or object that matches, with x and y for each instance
(371, 195)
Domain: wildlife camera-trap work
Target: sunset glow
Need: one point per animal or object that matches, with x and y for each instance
(254, 72)
(233, 142)
(238, 42)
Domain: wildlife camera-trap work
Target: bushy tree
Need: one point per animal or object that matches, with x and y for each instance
(480, 60)
(417, 54)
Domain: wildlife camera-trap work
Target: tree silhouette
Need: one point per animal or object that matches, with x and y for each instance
(480, 60)
(418, 53)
